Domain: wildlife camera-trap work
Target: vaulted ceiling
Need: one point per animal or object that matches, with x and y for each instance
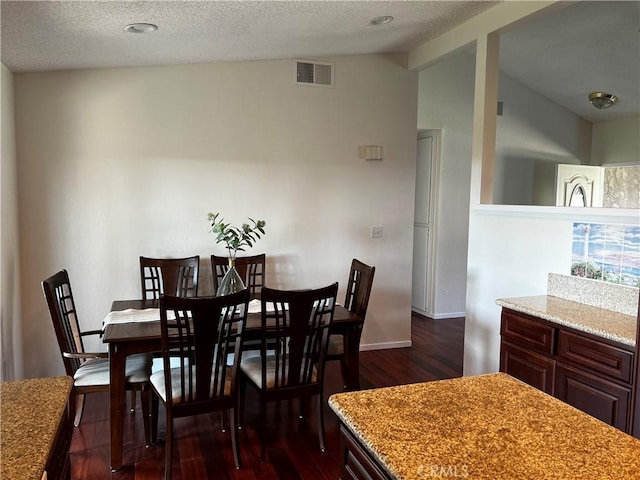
(587, 46)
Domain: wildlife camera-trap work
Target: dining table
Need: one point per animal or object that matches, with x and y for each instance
(130, 337)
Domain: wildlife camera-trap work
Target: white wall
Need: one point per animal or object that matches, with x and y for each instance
(533, 135)
(118, 163)
(445, 101)
(10, 330)
(616, 141)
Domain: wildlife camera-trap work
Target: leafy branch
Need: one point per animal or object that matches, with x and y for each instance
(236, 238)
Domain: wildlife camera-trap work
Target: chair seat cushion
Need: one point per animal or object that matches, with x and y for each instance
(158, 364)
(252, 368)
(336, 345)
(95, 371)
(157, 381)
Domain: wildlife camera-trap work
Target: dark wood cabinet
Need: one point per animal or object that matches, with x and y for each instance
(591, 373)
(58, 466)
(356, 462)
(635, 394)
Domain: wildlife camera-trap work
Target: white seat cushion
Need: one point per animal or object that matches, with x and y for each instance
(157, 380)
(158, 364)
(95, 371)
(252, 368)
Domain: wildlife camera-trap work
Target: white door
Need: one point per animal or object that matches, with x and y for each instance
(421, 296)
(579, 186)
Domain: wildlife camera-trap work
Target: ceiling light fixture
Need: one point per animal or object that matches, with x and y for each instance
(141, 28)
(380, 20)
(602, 100)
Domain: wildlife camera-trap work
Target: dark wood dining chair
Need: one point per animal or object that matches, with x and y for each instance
(90, 371)
(170, 276)
(250, 268)
(196, 377)
(294, 340)
(356, 301)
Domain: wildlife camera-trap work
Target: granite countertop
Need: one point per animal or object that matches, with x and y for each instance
(597, 321)
(484, 427)
(30, 412)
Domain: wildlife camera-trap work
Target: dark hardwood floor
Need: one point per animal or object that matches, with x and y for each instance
(203, 451)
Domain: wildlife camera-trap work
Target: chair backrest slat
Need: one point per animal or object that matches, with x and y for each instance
(202, 333)
(295, 326)
(359, 287)
(171, 276)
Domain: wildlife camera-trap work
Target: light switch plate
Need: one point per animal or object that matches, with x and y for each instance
(376, 232)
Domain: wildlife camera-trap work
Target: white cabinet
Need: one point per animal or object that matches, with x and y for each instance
(579, 186)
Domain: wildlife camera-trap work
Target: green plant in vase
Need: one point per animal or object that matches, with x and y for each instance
(235, 239)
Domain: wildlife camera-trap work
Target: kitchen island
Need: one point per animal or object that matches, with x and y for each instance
(35, 429)
(483, 427)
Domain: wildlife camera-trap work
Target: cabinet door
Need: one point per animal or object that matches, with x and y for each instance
(600, 398)
(532, 368)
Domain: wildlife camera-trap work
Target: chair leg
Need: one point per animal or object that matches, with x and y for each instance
(145, 398)
(168, 449)
(263, 428)
(302, 408)
(321, 422)
(241, 399)
(233, 417)
(222, 423)
(154, 417)
(79, 409)
(132, 402)
(344, 372)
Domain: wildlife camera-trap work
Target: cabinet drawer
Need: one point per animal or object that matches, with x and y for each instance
(532, 368)
(614, 362)
(528, 333)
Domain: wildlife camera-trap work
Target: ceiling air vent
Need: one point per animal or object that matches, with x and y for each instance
(311, 72)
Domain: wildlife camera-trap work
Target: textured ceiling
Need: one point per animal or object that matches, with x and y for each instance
(59, 35)
(587, 46)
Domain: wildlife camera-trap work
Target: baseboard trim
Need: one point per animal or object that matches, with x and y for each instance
(385, 345)
(438, 316)
(444, 316)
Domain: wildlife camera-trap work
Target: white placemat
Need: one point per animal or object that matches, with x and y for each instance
(132, 315)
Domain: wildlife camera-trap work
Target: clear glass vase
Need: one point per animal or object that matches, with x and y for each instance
(231, 282)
